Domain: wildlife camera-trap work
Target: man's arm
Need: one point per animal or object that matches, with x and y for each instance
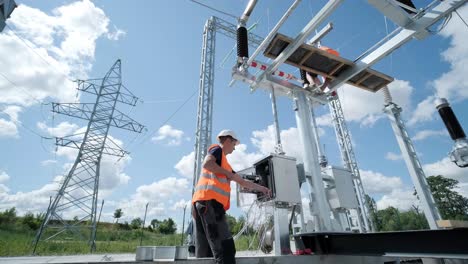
(210, 164)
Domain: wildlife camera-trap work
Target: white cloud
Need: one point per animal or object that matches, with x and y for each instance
(324, 120)
(9, 128)
(377, 183)
(112, 172)
(449, 84)
(4, 177)
(366, 108)
(12, 111)
(48, 49)
(181, 204)
(48, 162)
(117, 34)
(35, 201)
(158, 194)
(423, 134)
(448, 169)
(423, 112)
(241, 159)
(61, 130)
(162, 189)
(171, 136)
(185, 166)
(393, 156)
(264, 140)
(398, 198)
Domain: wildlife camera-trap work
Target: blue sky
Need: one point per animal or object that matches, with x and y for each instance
(159, 43)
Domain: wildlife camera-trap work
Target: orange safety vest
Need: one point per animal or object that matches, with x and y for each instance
(330, 50)
(214, 185)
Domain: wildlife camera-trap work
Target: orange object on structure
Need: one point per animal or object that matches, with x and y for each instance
(330, 50)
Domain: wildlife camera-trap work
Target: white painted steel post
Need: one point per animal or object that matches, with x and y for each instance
(278, 145)
(320, 207)
(415, 170)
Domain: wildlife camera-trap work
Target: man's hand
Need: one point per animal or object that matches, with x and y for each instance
(264, 190)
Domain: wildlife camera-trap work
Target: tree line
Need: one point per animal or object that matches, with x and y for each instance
(451, 204)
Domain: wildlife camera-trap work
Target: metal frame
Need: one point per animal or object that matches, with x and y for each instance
(417, 28)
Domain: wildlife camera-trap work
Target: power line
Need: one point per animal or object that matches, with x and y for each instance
(166, 121)
(39, 55)
(214, 9)
(19, 87)
(17, 123)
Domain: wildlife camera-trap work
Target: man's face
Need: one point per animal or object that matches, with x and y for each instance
(229, 145)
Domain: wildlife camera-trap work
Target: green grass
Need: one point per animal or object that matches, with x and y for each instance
(18, 242)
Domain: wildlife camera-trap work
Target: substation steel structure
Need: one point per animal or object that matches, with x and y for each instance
(410, 27)
(205, 110)
(78, 194)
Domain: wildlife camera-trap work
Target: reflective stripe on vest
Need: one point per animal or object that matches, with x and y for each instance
(213, 188)
(213, 176)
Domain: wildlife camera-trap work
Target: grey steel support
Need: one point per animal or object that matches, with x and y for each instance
(247, 12)
(322, 158)
(418, 28)
(78, 193)
(319, 206)
(347, 154)
(205, 97)
(272, 33)
(281, 229)
(412, 162)
(6, 8)
(278, 145)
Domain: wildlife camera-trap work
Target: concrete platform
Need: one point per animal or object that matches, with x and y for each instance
(243, 258)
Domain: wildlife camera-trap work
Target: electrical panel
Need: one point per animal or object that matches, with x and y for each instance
(343, 194)
(279, 174)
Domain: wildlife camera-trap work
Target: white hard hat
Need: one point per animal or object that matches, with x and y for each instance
(227, 132)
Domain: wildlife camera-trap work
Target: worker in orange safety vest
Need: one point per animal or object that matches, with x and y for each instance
(313, 78)
(211, 199)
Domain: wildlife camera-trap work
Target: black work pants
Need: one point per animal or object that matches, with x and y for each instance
(212, 235)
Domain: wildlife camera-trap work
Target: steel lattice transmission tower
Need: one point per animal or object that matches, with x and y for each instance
(78, 194)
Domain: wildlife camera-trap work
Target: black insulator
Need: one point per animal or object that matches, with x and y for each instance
(304, 77)
(451, 122)
(242, 43)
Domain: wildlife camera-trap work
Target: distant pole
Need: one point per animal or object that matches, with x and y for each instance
(143, 226)
(183, 227)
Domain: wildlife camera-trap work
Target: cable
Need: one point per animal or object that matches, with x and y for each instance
(27, 45)
(26, 127)
(165, 122)
(19, 87)
(461, 18)
(214, 9)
